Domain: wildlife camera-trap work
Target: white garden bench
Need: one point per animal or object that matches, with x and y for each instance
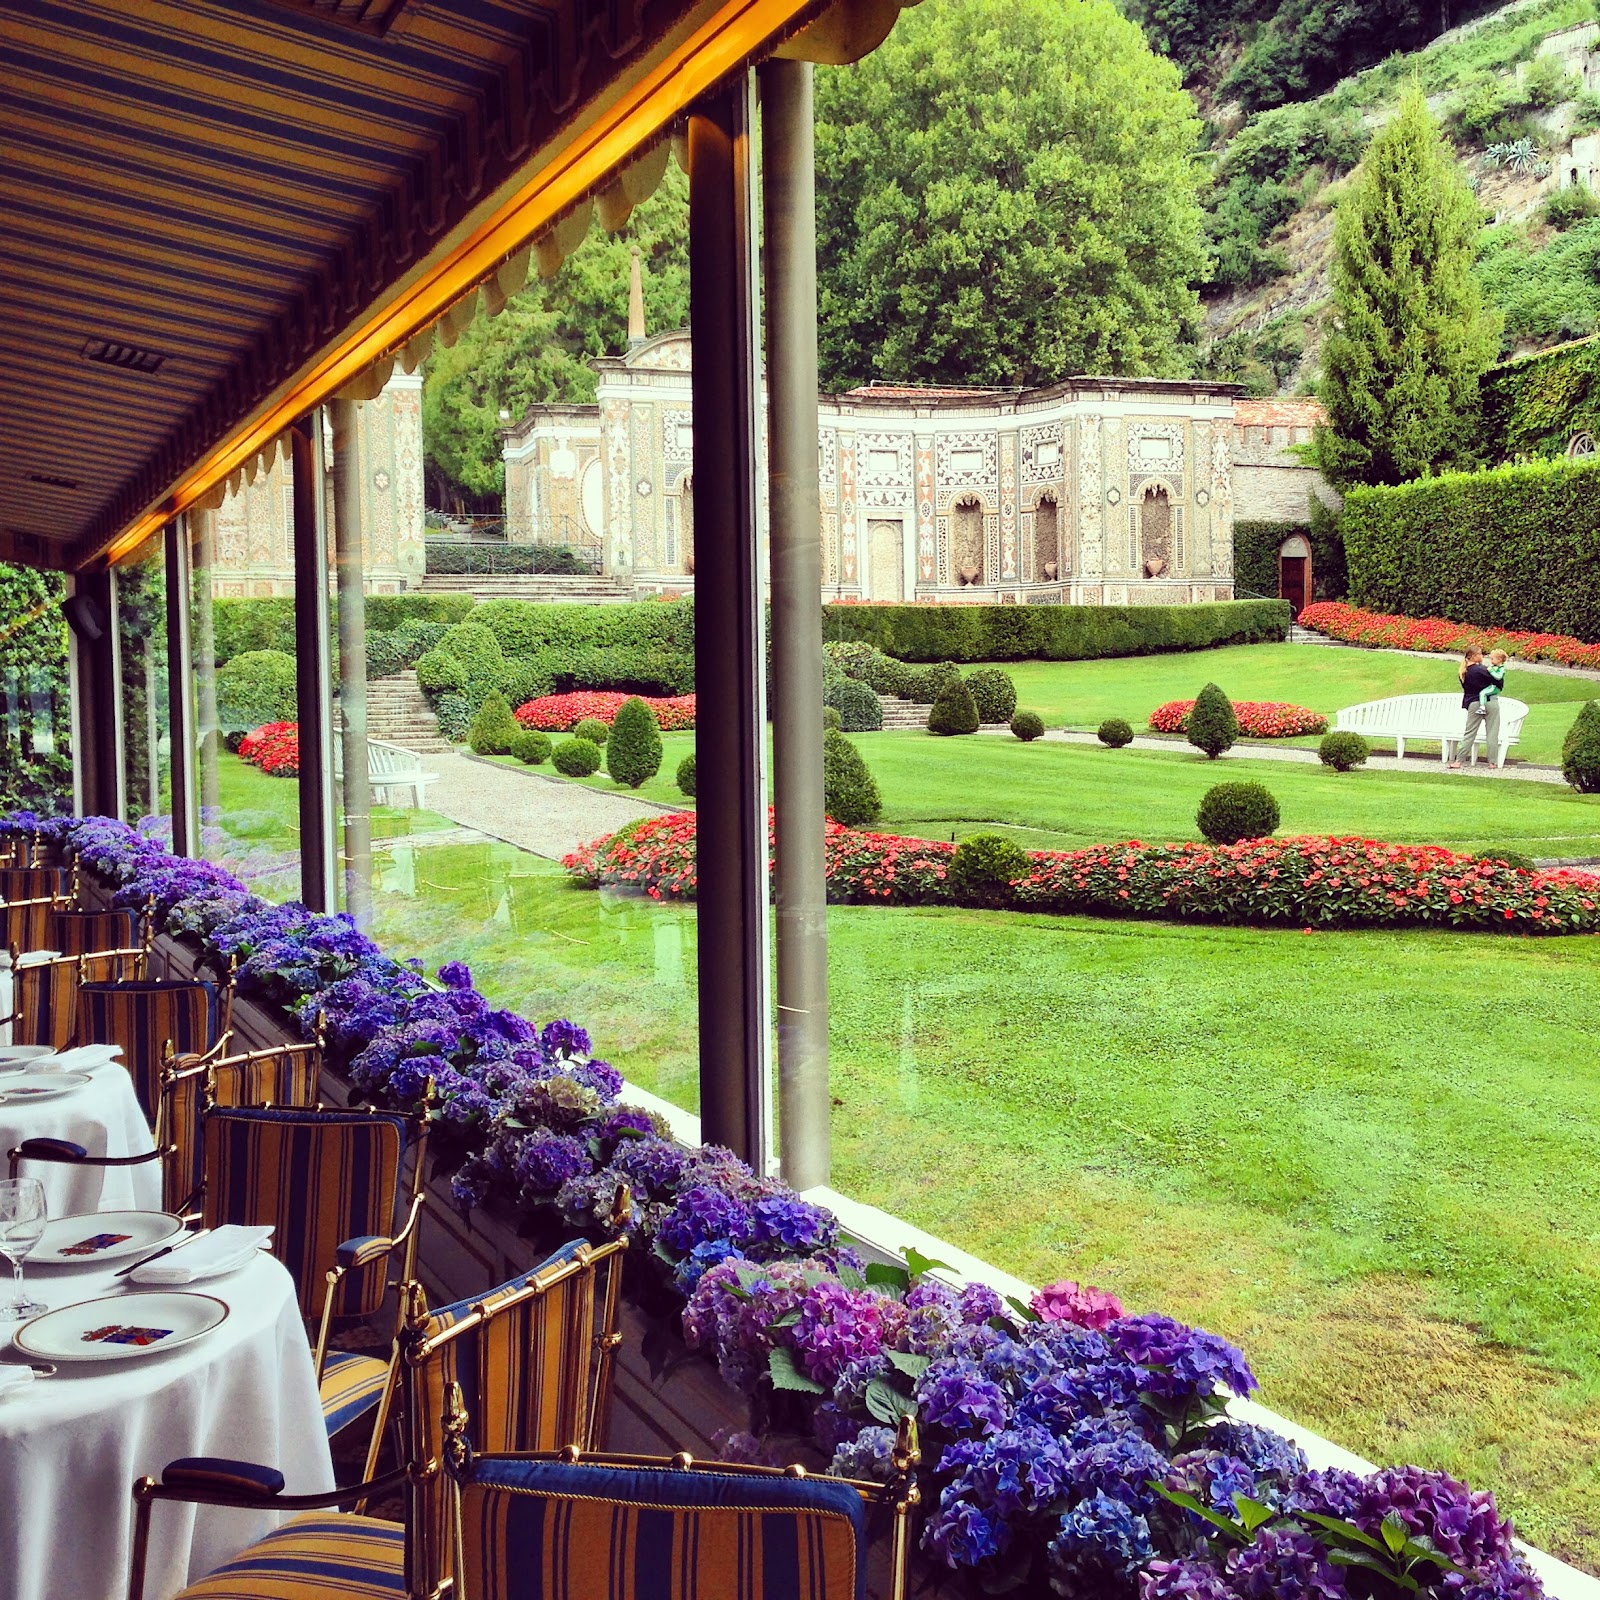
(390, 767)
(1428, 716)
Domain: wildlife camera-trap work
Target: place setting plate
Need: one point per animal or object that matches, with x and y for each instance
(102, 1236)
(124, 1327)
(36, 1085)
(23, 1057)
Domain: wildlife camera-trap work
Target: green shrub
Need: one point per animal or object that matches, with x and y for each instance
(953, 711)
(633, 752)
(852, 657)
(524, 628)
(1028, 725)
(1566, 208)
(531, 747)
(1213, 727)
(493, 727)
(1230, 812)
(985, 866)
(438, 673)
(831, 717)
(525, 681)
(1580, 750)
(241, 625)
(386, 612)
(1114, 732)
(916, 633)
(685, 775)
(1514, 547)
(254, 688)
(993, 693)
(446, 556)
(860, 710)
(401, 647)
(482, 662)
(1342, 751)
(1507, 858)
(454, 715)
(850, 794)
(577, 758)
(592, 729)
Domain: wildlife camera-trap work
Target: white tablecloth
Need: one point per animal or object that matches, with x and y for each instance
(72, 1445)
(104, 1117)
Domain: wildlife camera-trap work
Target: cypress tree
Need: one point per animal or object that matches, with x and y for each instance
(633, 752)
(1213, 724)
(1410, 336)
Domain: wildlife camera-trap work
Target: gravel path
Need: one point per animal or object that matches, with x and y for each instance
(548, 816)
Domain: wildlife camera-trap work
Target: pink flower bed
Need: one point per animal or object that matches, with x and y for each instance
(555, 713)
(1258, 719)
(1356, 626)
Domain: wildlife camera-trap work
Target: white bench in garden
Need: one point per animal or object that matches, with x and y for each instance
(390, 767)
(1428, 716)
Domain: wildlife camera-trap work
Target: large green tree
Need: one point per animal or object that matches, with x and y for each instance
(1410, 336)
(1006, 193)
(539, 348)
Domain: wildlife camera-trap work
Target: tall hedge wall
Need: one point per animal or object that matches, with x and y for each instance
(1533, 406)
(1053, 633)
(1516, 547)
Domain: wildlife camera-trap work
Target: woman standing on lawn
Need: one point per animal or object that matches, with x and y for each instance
(1479, 699)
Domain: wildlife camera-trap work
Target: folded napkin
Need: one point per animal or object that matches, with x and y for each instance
(84, 1058)
(223, 1249)
(14, 1378)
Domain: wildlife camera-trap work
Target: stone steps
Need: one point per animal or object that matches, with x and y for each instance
(547, 588)
(399, 713)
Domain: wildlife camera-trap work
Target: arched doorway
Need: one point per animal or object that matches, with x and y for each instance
(1046, 540)
(966, 540)
(885, 560)
(1294, 572)
(1155, 531)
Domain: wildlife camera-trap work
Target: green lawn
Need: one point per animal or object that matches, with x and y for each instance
(1367, 1157)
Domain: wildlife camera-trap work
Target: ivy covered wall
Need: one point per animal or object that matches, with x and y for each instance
(35, 710)
(1535, 406)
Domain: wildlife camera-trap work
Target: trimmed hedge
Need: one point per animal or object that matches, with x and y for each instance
(953, 712)
(242, 625)
(254, 688)
(444, 555)
(1515, 547)
(531, 747)
(850, 792)
(577, 758)
(526, 627)
(386, 612)
(1054, 633)
(860, 710)
(1255, 554)
(493, 729)
(1231, 812)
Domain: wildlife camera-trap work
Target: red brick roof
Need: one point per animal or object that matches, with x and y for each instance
(1300, 412)
(915, 391)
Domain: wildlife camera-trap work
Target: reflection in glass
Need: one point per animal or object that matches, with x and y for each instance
(141, 590)
(35, 713)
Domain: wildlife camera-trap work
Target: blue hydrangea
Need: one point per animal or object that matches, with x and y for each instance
(784, 1222)
(1099, 1536)
(956, 1395)
(702, 1214)
(700, 1260)
(869, 1456)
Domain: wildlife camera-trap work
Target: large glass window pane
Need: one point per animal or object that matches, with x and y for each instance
(35, 710)
(141, 591)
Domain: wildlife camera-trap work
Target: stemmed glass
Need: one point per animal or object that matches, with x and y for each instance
(22, 1219)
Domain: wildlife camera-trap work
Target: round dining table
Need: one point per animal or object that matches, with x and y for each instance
(73, 1443)
(104, 1117)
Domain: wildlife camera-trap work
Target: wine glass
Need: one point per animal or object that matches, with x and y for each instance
(22, 1219)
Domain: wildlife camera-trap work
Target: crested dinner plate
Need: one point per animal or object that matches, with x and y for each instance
(122, 1327)
(40, 1085)
(100, 1236)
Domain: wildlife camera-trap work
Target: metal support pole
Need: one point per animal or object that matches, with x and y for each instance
(789, 258)
(203, 647)
(180, 693)
(96, 712)
(728, 658)
(312, 666)
(355, 789)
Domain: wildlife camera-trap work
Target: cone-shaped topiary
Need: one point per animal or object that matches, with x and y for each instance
(831, 717)
(1028, 725)
(985, 866)
(860, 710)
(953, 710)
(1230, 812)
(1342, 751)
(592, 729)
(1212, 724)
(850, 795)
(633, 752)
(493, 728)
(531, 747)
(993, 693)
(1114, 733)
(686, 775)
(577, 758)
(1580, 750)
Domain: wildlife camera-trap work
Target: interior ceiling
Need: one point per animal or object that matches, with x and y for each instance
(201, 194)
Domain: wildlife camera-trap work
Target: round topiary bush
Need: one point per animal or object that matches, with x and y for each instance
(592, 729)
(531, 747)
(850, 794)
(1114, 733)
(860, 710)
(483, 664)
(1580, 750)
(985, 866)
(953, 710)
(454, 716)
(685, 775)
(993, 693)
(633, 752)
(831, 717)
(1213, 726)
(577, 758)
(254, 688)
(1342, 751)
(1028, 725)
(1230, 812)
(438, 673)
(493, 727)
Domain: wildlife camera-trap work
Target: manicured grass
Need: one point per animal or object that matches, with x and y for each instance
(662, 788)
(1367, 1157)
(1082, 694)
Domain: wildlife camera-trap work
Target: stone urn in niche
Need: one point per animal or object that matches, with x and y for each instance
(1155, 566)
(1051, 571)
(969, 574)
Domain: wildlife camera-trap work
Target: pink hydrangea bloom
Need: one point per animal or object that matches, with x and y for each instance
(1067, 1301)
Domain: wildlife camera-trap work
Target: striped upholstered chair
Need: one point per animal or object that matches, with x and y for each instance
(77, 933)
(151, 1018)
(37, 883)
(44, 994)
(546, 1341)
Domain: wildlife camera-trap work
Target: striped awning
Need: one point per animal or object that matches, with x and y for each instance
(206, 201)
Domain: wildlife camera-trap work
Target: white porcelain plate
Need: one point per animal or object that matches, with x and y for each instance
(101, 1236)
(27, 1086)
(20, 1057)
(123, 1327)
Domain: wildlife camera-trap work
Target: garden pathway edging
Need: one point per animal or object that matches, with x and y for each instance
(1516, 664)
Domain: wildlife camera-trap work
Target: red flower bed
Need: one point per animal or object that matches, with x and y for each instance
(1258, 719)
(1302, 882)
(275, 748)
(555, 713)
(1352, 624)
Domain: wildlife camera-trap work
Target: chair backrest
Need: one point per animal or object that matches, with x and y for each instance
(286, 1076)
(45, 993)
(22, 923)
(542, 1527)
(536, 1356)
(145, 1017)
(33, 883)
(320, 1178)
(76, 933)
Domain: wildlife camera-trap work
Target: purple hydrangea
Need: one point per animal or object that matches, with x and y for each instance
(1184, 1580)
(837, 1326)
(1180, 1362)
(962, 1534)
(869, 1456)
(456, 975)
(563, 1040)
(703, 1214)
(1283, 1565)
(653, 1167)
(956, 1395)
(543, 1164)
(784, 1222)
